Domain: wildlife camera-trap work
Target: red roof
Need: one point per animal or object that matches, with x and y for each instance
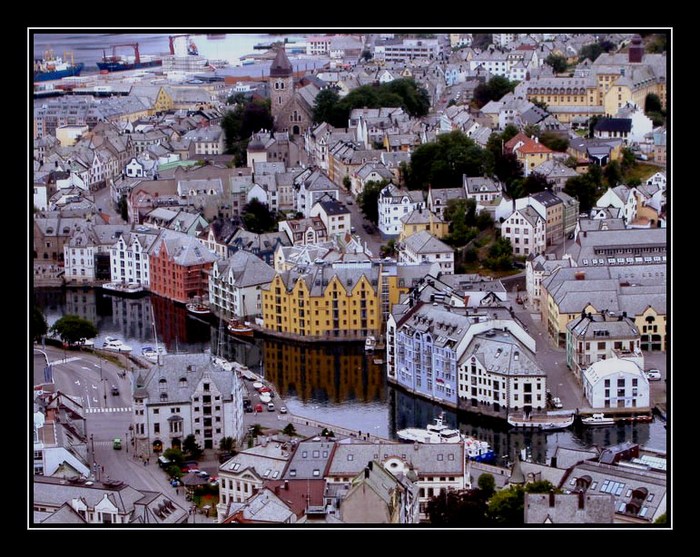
(298, 492)
(526, 145)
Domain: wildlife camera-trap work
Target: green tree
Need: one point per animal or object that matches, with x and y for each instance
(366, 55)
(593, 50)
(554, 141)
(661, 519)
(487, 485)
(326, 108)
(628, 160)
(457, 508)
(584, 189)
(540, 486)
(71, 328)
(657, 44)
(369, 198)
(389, 249)
(571, 162)
(258, 218)
(481, 41)
(242, 121)
(175, 456)
(191, 447)
(557, 62)
(536, 182)
(493, 90)
(290, 430)
(347, 182)
(484, 220)
(39, 324)
(443, 162)
(500, 255)
(123, 208)
(613, 174)
(508, 169)
(236, 98)
(505, 508)
(174, 471)
(256, 430)
(461, 214)
(227, 444)
(652, 103)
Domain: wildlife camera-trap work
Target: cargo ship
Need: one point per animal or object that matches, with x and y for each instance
(52, 67)
(117, 63)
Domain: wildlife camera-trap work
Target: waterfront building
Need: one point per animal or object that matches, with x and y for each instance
(186, 394)
(615, 383)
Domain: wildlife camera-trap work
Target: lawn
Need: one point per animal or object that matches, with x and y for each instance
(643, 171)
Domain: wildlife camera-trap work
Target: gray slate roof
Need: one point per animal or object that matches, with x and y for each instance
(183, 249)
(502, 353)
(424, 242)
(247, 269)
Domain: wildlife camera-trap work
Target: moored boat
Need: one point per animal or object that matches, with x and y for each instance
(113, 344)
(597, 420)
(151, 353)
(198, 307)
(52, 67)
(124, 288)
(236, 327)
(437, 432)
(546, 422)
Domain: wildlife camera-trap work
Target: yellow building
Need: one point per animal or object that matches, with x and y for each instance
(652, 326)
(423, 219)
(322, 302)
(164, 101)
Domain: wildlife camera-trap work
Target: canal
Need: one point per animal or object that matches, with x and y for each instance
(336, 383)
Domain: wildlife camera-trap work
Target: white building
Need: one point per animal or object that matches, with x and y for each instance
(87, 251)
(620, 197)
(423, 246)
(235, 284)
(525, 229)
(393, 204)
(334, 215)
(481, 189)
(244, 474)
(129, 261)
(186, 394)
(537, 268)
(615, 383)
(498, 369)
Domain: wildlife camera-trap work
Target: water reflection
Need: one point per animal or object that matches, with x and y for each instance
(335, 383)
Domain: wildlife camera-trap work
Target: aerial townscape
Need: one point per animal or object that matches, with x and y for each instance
(350, 278)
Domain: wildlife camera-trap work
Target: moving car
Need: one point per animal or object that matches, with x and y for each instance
(270, 407)
(283, 409)
(117, 444)
(653, 374)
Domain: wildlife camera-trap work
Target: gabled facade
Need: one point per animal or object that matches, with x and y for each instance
(393, 204)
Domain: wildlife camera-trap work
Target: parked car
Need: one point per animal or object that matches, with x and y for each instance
(653, 374)
(189, 465)
(283, 409)
(270, 407)
(258, 407)
(117, 444)
(556, 402)
(115, 390)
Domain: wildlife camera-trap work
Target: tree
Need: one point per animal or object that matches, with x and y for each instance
(227, 444)
(191, 447)
(123, 208)
(554, 141)
(481, 41)
(484, 220)
(175, 456)
(366, 55)
(557, 61)
(571, 162)
(628, 160)
(71, 328)
(326, 108)
(389, 249)
(506, 508)
(536, 182)
(256, 430)
(584, 189)
(39, 324)
(661, 519)
(487, 485)
(347, 182)
(652, 103)
(613, 174)
(593, 50)
(457, 508)
(258, 218)
(443, 162)
(174, 471)
(369, 198)
(500, 255)
(242, 121)
(508, 168)
(461, 214)
(290, 430)
(493, 90)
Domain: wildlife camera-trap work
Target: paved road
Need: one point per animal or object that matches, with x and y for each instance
(374, 241)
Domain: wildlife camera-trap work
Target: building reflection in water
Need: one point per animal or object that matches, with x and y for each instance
(324, 372)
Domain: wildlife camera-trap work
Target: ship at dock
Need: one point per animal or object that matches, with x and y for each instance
(119, 63)
(52, 67)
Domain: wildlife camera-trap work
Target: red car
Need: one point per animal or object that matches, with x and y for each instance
(258, 407)
(187, 466)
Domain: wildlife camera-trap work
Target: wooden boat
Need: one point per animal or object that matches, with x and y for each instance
(124, 288)
(597, 420)
(238, 328)
(546, 422)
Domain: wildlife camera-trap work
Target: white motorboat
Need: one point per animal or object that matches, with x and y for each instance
(124, 288)
(437, 432)
(115, 345)
(151, 354)
(597, 419)
(547, 422)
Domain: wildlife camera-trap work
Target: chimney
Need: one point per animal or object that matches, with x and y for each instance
(551, 498)
(581, 500)
(367, 472)
(580, 275)
(286, 485)
(277, 490)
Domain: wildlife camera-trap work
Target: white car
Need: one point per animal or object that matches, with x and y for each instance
(653, 374)
(556, 402)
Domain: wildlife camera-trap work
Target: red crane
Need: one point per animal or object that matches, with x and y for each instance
(114, 58)
(191, 47)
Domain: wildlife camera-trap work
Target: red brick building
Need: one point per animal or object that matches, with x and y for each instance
(178, 266)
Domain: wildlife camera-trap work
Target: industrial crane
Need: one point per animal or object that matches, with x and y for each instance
(191, 47)
(114, 58)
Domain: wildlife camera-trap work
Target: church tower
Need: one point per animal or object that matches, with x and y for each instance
(281, 86)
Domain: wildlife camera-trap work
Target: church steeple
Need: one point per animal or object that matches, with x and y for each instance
(281, 88)
(281, 66)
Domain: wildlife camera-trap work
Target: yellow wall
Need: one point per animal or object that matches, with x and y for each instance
(163, 102)
(615, 98)
(302, 314)
(649, 319)
(436, 228)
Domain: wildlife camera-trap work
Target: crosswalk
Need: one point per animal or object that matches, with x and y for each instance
(66, 360)
(105, 410)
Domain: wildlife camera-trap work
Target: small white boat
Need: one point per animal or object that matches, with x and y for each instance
(151, 354)
(546, 422)
(370, 343)
(437, 432)
(115, 345)
(597, 419)
(197, 306)
(124, 288)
